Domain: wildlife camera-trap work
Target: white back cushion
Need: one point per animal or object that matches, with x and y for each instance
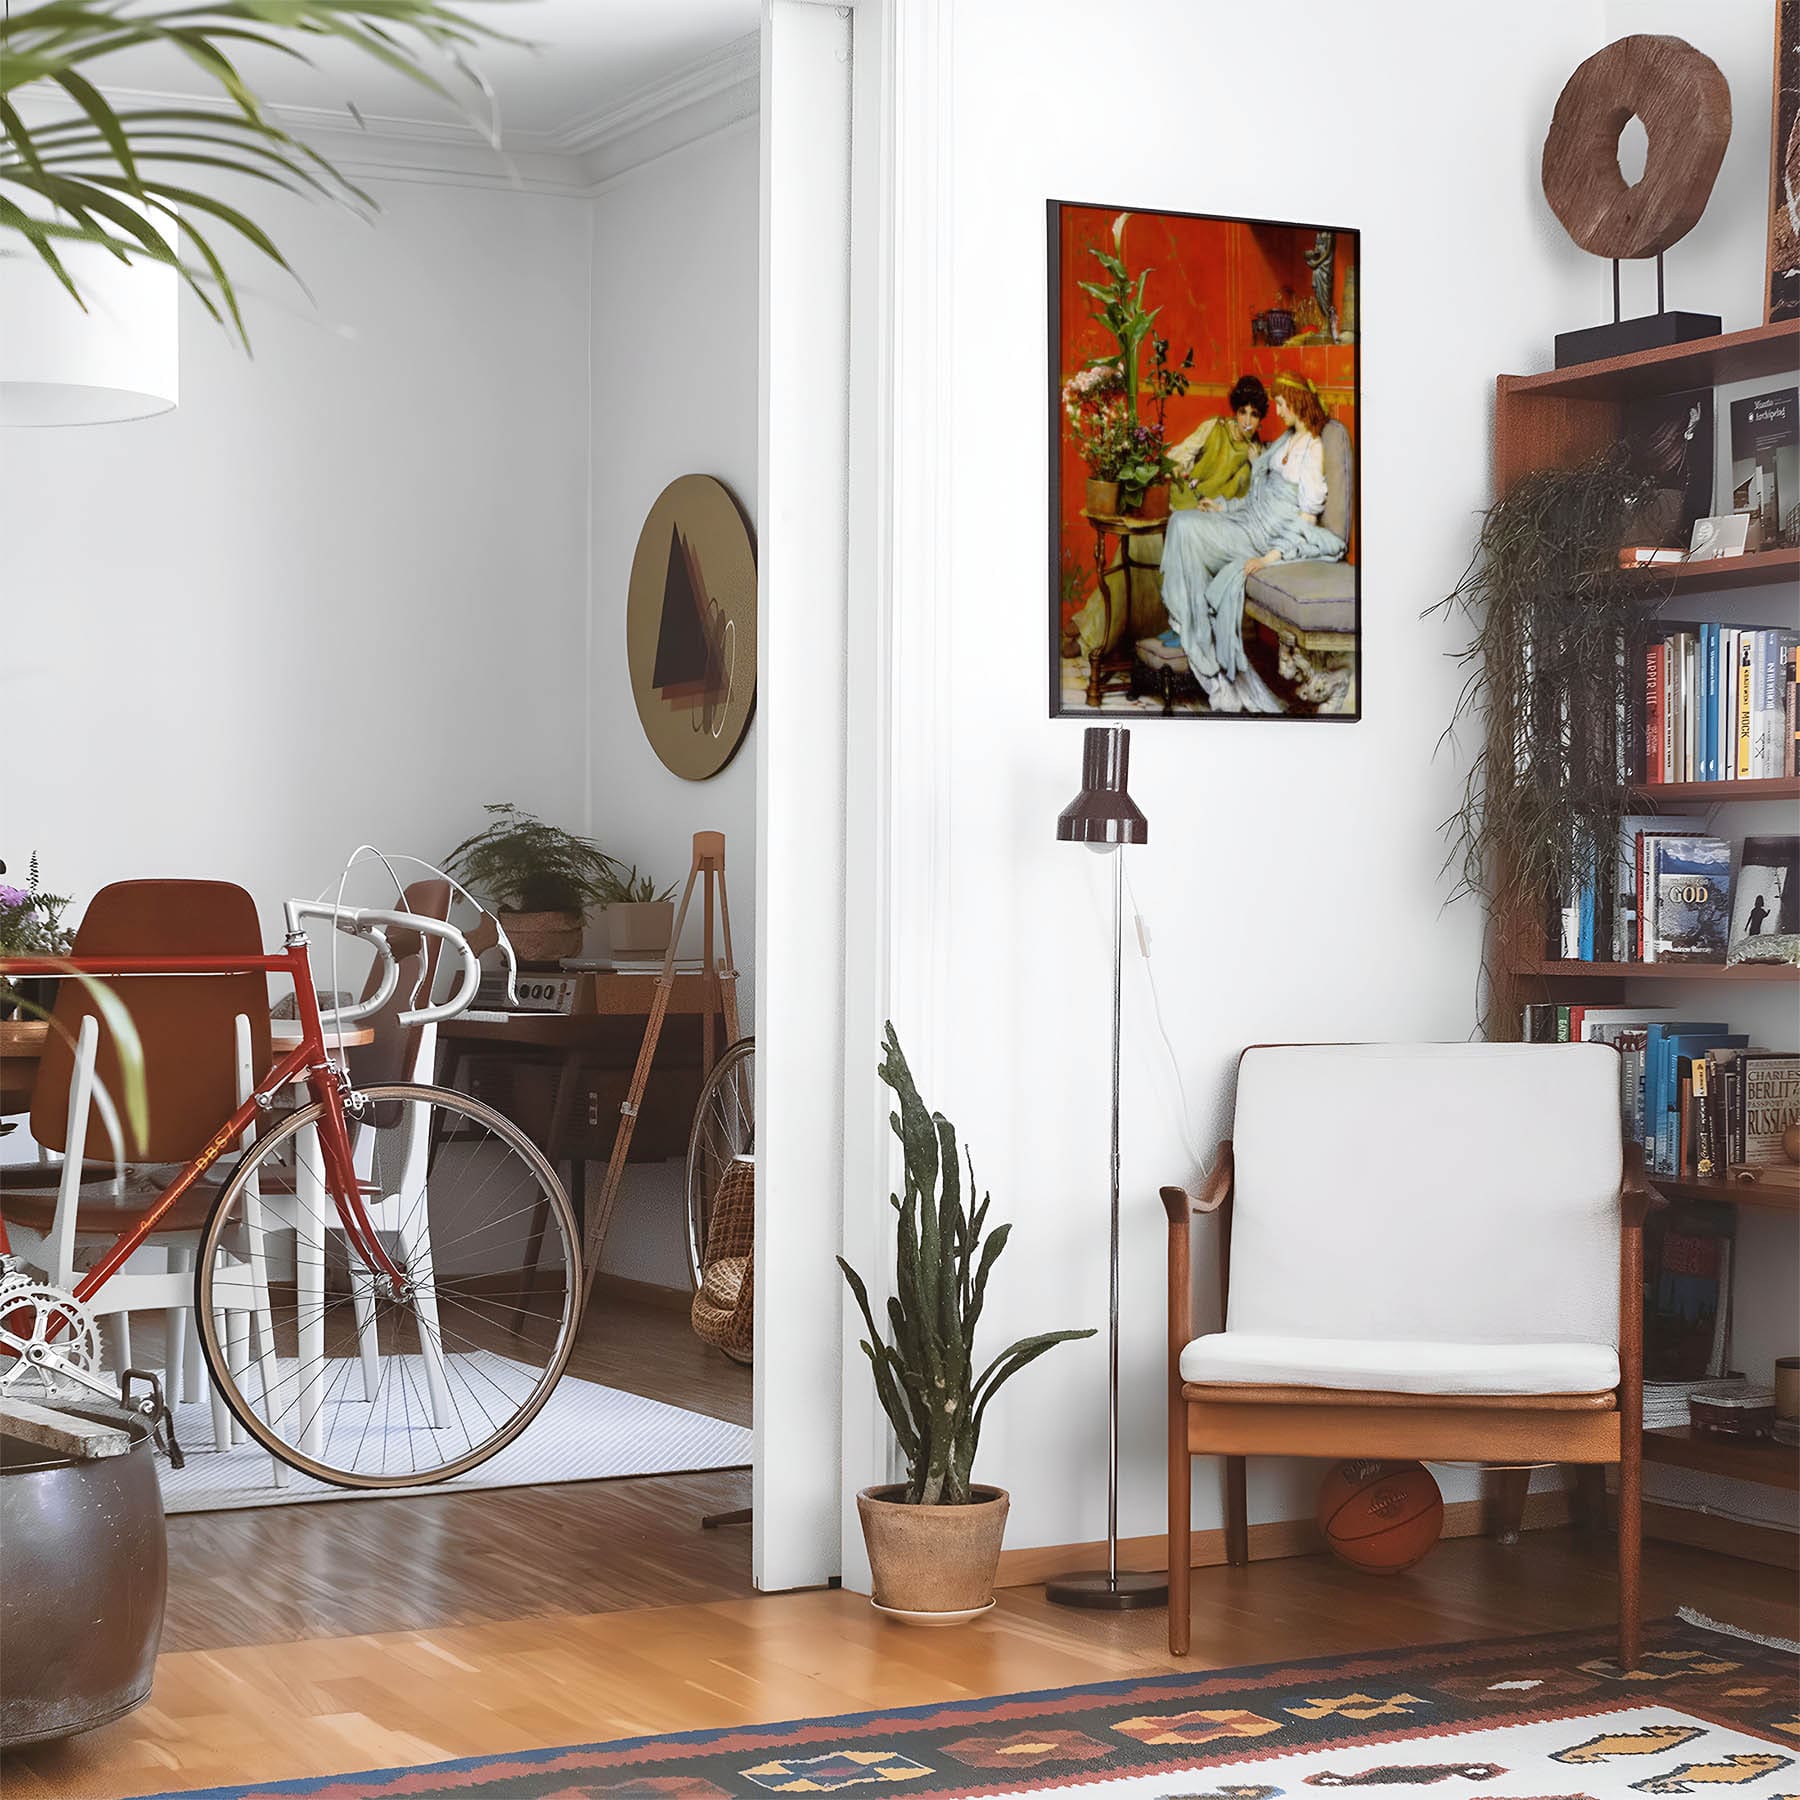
(1455, 1192)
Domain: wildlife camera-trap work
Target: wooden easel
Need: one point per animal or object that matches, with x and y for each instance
(720, 977)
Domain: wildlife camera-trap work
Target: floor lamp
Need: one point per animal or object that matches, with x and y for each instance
(1104, 817)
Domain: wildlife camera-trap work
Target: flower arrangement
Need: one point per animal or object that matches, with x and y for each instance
(31, 920)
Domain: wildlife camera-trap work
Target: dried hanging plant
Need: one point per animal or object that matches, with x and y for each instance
(1549, 679)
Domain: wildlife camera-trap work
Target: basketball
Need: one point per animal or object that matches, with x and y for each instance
(1380, 1517)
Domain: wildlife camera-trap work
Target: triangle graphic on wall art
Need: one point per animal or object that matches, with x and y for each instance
(688, 670)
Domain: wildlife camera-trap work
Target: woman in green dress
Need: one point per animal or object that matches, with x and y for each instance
(1211, 463)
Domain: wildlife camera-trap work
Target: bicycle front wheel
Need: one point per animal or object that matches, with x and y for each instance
(358, 1379)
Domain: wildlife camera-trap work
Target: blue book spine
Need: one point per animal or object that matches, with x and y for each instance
(1650, 1097)
(1586, 945)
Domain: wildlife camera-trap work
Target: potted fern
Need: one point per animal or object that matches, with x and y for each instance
(934, 1539)
(542, 878)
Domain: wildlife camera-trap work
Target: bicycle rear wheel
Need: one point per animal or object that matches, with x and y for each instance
(724, 1127)
(348, 1376)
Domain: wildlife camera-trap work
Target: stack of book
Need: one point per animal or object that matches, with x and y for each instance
(1719, 704)
(1697, 1095)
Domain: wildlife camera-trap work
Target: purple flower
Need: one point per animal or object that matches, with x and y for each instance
(13, 896)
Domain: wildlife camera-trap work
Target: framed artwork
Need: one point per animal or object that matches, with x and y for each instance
(690, 626)
(1784, 169)
(1205, 427)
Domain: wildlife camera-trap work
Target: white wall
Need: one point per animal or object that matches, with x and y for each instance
(1292, 879)
(674, 347)
(377, 527)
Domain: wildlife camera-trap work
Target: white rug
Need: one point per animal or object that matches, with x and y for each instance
(586, 1432)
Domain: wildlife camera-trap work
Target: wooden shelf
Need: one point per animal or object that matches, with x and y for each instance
(1763, 351)
(1657, 971)
(1772, 1198)
(1776, 787)
(1757, 569)
(1753, 1459)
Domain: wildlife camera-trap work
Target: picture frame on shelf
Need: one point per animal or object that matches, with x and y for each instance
(1720, 536)
(1782, 294)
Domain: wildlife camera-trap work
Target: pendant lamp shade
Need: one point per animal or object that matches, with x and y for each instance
(120, 359)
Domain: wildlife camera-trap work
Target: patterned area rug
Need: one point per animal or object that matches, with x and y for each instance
(1545, 1718)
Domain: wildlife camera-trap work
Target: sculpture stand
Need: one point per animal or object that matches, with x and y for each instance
(1624, 337)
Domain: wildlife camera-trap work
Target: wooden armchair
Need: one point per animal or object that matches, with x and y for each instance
(1429, 1251)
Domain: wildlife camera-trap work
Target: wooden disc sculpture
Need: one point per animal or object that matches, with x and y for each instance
(690, 626)
(1685, 104)
(1380, 1517)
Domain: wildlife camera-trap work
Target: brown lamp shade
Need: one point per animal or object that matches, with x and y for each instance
(1103, 812)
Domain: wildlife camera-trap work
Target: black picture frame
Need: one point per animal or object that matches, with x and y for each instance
(1089, 714)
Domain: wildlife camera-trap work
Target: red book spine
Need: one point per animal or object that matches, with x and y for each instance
(1653, 714)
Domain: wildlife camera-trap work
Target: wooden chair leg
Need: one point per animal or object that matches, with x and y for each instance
(1630, 1548)
(1181, 1508)
(1237, 1513)
(1506, 1502)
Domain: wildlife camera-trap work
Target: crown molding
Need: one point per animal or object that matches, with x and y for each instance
(706, 96)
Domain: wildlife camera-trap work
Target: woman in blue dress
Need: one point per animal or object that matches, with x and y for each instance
(1211, 551)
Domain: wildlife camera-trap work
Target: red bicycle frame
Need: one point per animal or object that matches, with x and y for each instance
(307, 1060)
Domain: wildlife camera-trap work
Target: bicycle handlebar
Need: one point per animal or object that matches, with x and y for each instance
(373, 924)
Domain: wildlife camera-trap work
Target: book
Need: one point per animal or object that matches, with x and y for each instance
(1765, 457)
(1687, 1302)
(1766, 897)
(1633, 828)
(1688, 881)
(1741, 762)
(1769, 1102)
(1669, 438)
(1768, 701)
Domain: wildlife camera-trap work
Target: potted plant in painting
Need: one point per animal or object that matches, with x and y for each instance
(934, 1539)
(639, 920)
(1094, 402)
(542, 878)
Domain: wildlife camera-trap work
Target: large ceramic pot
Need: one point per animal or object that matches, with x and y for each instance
(638, 928)
(85, 1566)
(933, 1565)
(540, 940)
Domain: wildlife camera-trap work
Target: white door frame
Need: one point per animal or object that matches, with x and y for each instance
(851, 814)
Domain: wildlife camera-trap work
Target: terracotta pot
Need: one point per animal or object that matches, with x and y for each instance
(1155, 503)
(640, 927)
(1102, 497)
(932, 1559)
(540, 940)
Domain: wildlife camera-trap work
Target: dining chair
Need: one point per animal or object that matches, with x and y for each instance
(1425, 1251)
(203, 1041)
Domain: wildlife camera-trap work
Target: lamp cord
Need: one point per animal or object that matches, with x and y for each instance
(1184, 1112)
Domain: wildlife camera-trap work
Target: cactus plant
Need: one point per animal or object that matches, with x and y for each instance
(925, 1376)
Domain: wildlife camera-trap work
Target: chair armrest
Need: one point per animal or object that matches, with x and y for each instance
(1179, 1204)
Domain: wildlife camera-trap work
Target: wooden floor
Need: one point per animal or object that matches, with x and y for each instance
(332, 1705)
(278, 1574)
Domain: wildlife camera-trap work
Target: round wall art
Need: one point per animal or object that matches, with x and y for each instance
(690, 626)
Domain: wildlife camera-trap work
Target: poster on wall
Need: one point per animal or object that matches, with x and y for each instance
(1204, 461)
(1784, 168)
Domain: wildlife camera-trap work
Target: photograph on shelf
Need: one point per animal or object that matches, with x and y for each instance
(1670, 438)
(1204, 463)
(1765, 463)
(1766, 902)
(1783, 301)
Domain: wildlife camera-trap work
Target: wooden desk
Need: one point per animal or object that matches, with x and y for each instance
(561, 1077)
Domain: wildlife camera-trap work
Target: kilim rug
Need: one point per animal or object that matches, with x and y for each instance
(1543, 1718)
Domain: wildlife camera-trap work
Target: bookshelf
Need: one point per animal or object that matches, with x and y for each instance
(1559, 419)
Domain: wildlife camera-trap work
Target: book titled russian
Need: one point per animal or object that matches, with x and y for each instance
(1765, 459)
(1770, 1099)
(1690, 886)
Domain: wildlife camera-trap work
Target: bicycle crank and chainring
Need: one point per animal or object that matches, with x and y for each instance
(47, 1339)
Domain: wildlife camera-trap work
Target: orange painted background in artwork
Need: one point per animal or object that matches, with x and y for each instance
(1209, 277)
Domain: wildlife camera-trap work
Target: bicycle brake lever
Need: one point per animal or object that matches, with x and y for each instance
(156, 1409)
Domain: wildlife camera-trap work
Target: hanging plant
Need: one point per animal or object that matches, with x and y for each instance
(1549, 681)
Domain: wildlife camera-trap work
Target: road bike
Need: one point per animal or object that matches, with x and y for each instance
(387, 1279)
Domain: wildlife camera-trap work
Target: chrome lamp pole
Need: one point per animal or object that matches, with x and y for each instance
(1104, 817)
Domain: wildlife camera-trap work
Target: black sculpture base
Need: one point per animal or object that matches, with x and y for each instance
(1624, 337)
(1125, 1592)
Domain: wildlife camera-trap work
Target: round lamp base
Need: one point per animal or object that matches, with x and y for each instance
(1099, 1592)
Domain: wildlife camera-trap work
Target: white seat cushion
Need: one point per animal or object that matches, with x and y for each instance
(1392, 1366)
